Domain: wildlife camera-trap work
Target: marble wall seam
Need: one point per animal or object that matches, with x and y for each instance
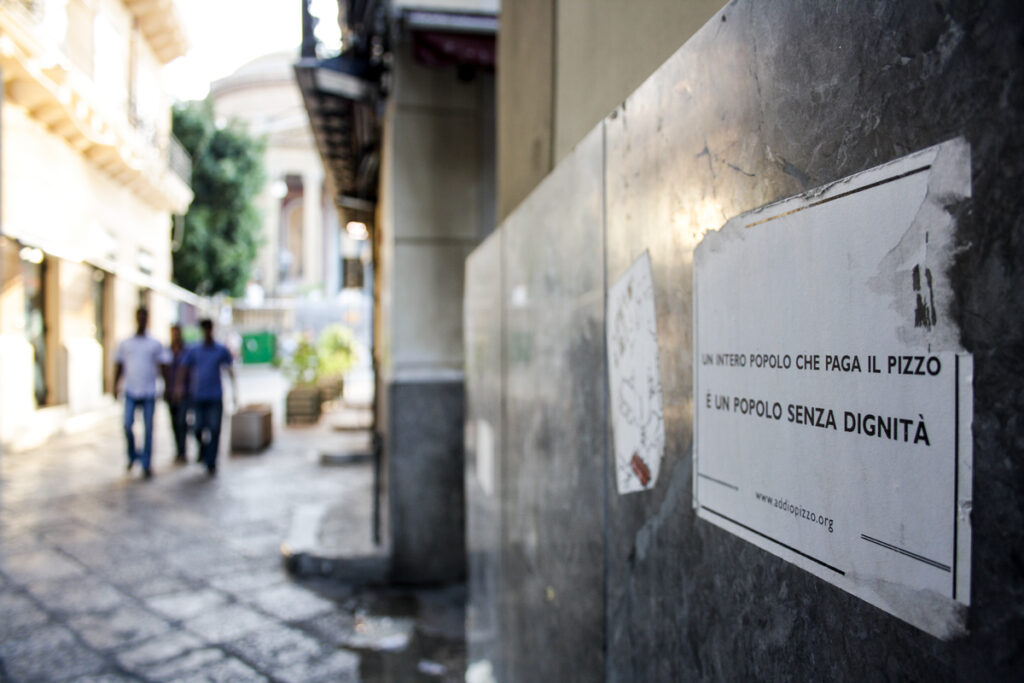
(608, 457)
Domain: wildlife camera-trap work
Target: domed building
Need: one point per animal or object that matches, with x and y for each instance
(302, 246)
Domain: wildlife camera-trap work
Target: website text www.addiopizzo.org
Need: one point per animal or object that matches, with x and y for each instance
(797, 511)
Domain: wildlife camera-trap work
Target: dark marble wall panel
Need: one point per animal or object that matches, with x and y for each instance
(425, 472)
(767, 100)
(552, 613)
(484, 433)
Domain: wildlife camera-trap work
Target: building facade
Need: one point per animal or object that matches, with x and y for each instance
(305, 275)
(90, 180)
(436, 205)
(564, 65)
(404, 121)
(298, 232)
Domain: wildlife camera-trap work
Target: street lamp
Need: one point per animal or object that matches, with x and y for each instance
(357, 230)
(31, 255)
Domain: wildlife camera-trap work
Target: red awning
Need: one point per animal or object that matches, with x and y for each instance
(438, 48)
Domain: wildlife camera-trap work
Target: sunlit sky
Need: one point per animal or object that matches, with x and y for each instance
(225, 34)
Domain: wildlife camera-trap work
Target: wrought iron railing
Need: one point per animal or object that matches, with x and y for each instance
(179, 160)
(30, 9)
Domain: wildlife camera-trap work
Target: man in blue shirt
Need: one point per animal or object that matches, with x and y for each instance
(200, 372)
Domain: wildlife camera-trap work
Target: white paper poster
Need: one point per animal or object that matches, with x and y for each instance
(638, 424)
(833, 401)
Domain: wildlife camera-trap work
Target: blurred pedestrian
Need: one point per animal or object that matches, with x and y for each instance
(177, 404)
(138, 361)
(200, 375)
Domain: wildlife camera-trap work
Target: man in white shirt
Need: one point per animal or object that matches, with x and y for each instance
(138, 361)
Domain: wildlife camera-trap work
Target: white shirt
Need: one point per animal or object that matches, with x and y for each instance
(141, 357)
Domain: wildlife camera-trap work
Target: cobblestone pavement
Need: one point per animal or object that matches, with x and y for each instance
(105, 576)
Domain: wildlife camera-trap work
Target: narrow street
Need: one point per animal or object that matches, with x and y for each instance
(106, 576)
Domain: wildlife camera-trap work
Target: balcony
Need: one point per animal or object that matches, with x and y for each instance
(33, 8)
(179, 161)
(161, 26)
(37, 77)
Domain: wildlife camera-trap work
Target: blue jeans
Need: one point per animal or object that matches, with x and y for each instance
(208, 417)
(179, 423)
(131, 403)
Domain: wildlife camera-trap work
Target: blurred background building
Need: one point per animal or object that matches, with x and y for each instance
(91, 178)
(299, 279)
(299, 234)
(404, 121)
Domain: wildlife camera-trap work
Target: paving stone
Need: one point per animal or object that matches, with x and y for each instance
(159, 585)
(290, 602)
(180, 578)
(258, 545)
(73, 533)
(228, 623)
(19, 616)
(172, 543)
(276, 648)
(250, 530)
(95, 554)
(49, 653)
(208, 569)
(159, 649)
(184, 667)
(124, 626)
(80, 595)
(39, 565)
(333, 628)
(226, 671)
(129, 574)
(340, 665)
(203, 556)
(186, 605)
(246, 582)
(107, 677)
(17, 543)
(35, 513)
(118, 523)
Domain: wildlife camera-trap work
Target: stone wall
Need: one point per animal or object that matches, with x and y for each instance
(568, 579)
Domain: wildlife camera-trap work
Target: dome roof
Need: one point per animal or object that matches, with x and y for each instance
(266, 69)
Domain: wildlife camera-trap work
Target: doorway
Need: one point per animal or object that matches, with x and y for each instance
(33, 271)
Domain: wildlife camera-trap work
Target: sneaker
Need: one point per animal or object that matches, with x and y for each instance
(147, 473)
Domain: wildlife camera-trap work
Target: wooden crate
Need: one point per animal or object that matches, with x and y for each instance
(252, 428)
(302, 404)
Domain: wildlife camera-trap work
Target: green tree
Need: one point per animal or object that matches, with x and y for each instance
(222, 226)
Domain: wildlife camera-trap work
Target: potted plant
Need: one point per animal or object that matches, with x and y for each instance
(302, 368)
(336, 352)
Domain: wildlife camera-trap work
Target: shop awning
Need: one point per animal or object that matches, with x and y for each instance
(341, 96)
